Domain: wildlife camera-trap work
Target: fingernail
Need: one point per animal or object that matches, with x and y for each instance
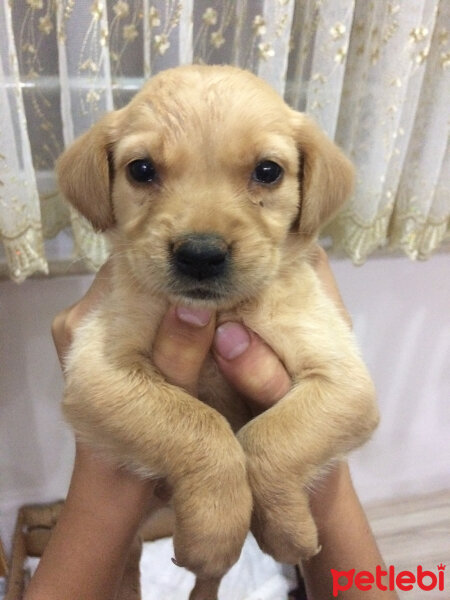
(175, 562)
(231, 340)
(194, 316)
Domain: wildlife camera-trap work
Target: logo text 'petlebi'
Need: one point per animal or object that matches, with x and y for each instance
(388, 580)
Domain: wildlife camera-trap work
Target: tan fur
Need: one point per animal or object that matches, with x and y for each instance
(206, 128)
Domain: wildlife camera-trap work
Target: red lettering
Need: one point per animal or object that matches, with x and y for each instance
(364, 580)
(404, 580)
(391, 578)
(379, 574)
(441, 579)
(337, 586)
(420, 576)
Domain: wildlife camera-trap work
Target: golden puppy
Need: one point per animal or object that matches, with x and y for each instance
(212, 191)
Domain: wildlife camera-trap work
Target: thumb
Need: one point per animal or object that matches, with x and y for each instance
(182, 342)
(250, 365)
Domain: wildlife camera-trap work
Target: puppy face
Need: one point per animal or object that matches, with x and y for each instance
(199, 178)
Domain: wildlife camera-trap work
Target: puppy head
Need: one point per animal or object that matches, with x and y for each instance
(201, 181)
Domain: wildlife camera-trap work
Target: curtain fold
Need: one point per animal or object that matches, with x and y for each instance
(20, 215)
(394, 106)
(375, 75)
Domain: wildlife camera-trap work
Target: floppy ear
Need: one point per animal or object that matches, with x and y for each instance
(326, 174)
(84, 176)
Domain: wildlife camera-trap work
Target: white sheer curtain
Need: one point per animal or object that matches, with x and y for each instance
(375, 75)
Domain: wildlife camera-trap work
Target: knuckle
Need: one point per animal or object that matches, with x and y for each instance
(71, 321)
(271, 389)
(170, 361)
(269, 383)
(179, 352)
(186, 337)
(63, 327)
(58, 325)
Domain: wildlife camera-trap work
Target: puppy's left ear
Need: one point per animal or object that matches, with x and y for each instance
(327, 175)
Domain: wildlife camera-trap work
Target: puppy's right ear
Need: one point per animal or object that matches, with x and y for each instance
(326, 178)
(84, 176)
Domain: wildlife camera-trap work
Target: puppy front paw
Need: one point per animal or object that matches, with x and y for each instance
(285, 528)
(210, 545)
(282, 522)
(212, 519)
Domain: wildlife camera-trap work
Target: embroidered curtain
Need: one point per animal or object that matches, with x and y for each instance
(374, 74)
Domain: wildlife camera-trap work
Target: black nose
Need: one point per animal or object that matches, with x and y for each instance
(201, 256)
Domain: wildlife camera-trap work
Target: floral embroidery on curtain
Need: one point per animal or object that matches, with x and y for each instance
(374, 74)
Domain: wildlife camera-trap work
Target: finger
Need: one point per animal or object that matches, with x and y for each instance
(250, 365)
(182, 343)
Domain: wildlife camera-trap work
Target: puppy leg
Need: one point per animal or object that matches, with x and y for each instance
(205, 589)
(286, 446)
(160, 430)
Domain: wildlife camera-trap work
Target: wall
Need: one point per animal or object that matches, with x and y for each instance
(401, 318)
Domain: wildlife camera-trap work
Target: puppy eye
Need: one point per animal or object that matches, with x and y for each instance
(142, 170)
(267, 172)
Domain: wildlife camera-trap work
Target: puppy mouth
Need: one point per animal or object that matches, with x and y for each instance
(203, 294)
(214, 293)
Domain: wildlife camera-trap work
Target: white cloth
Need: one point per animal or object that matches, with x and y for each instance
(256, 576)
